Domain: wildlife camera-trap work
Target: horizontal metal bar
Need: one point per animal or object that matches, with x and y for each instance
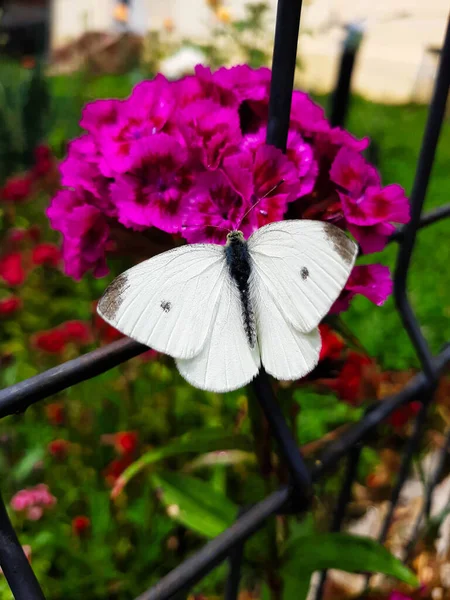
(428, 218)
(17, 398)
(203, 561)
(200, 563)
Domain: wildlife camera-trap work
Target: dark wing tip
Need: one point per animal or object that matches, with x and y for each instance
(343, 245)
(111, 300)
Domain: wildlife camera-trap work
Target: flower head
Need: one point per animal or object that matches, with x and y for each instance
(9, 306)
(77, 332)
(11, 269)
(189, 158)
(55, 413)
(17, 188)
(52, 341)
(125, 442)
(58, 448)
(81, 525)
(46, 254)
(33, 501)
(332, 344)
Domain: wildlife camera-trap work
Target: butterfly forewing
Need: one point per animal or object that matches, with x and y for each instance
(303, 265)
(169, 302)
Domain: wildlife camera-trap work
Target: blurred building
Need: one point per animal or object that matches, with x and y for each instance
(397, 60)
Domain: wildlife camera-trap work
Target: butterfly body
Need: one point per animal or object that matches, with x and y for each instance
(222, 311)
(239, 265)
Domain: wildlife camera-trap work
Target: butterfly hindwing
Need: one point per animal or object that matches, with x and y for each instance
(169, 301)
(286, 353)
(226, 362)
(303, 266)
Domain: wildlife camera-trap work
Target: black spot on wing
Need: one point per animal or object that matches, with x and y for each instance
(340, 242)
(111, 300)
(304, 273)
(166, 306)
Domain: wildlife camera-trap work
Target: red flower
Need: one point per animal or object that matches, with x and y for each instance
(348, 383)
(80, 525)
(46, 254)
(52, 341)
(402, 415)
(125, 442)
(9, 306)
(332, 344)
(43, 161)
(116, 467)
(55, 413)
(77, 331)
(11, 269)
(58, 448)
(17, 188)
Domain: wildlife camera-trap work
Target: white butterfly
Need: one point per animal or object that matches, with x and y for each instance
(222, 311)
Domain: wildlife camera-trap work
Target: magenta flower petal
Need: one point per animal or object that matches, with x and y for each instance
(352, 172)
(85, 232)
(215, 207)
(372, 281)
(153, 193)
(301, 155)
(99, 115)
(211, 130)
(373, 238)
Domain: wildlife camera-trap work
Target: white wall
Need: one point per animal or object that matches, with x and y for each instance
(70, 18)
(392, 64)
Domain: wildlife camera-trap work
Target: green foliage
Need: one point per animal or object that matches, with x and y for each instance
(24, 106)
(315, 552)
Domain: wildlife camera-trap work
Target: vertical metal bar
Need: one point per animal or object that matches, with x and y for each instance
(340, 99)
(235, 564)
(341, 507)
(288, 447)
(424, 166)
(411, 447)
(14, 563)
(281, 87)
(283, 68)
(426, 509)
(234, 573)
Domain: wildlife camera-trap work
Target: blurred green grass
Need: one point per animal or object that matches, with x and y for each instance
(398, 130)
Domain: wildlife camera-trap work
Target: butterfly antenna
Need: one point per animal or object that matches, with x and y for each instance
(275, 187)
(212, 226)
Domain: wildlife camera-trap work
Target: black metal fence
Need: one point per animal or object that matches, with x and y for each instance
(296, 496)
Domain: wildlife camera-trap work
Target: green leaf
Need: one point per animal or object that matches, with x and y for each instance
(345, 552)
(208, 440)
(194, 503)
(28, 462)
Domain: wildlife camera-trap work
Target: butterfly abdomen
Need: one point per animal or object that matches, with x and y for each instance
(238, 261)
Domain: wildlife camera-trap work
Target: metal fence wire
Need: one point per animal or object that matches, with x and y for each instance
(296, 496)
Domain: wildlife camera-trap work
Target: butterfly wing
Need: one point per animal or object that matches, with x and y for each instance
(286, 353)
(302, 266)
(169, 302)
(226, 362)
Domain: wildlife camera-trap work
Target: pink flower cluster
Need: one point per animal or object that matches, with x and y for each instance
(189, 157)
(33, 501)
